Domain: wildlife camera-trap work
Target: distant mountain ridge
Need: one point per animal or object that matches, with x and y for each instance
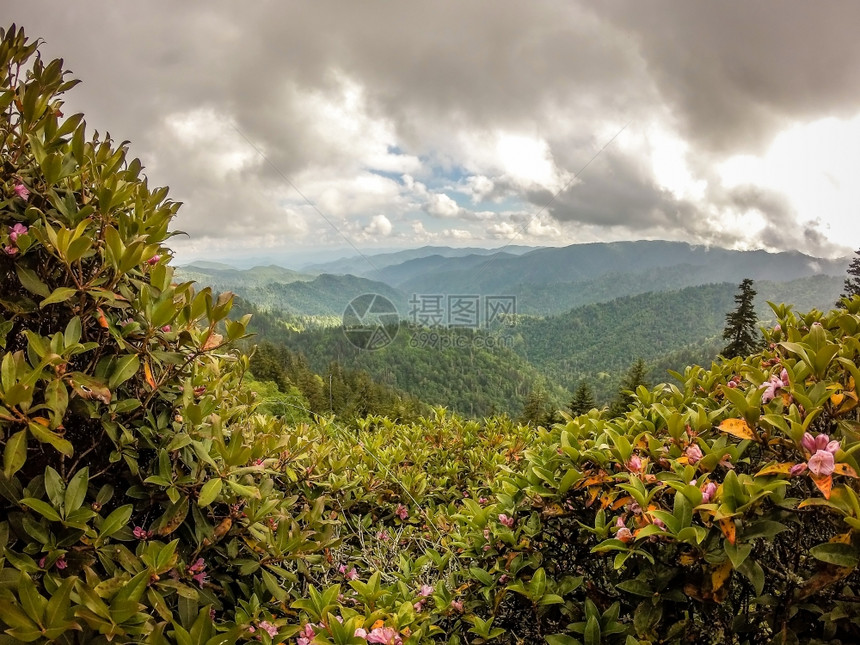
(545, 281)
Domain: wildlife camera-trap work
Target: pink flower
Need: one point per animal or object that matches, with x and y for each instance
(384, 635)
(402, 512)
(457, 605)
(153, 260)
(821, 463)
(506, 521)
(383, 535)
(42, 562)
(658, 522)
(797, 469)
(708, 492)
(418, 606)
(694, 453)
(306, 635)
(635, 464)
(16, 231)
(10, 250)
(360, 632)
(140, 533)
(482, 500)
(425, 591)
(771, 386)
(624, 534)
(61, 563)
(22, 191)
(349, 575)
(270, 629)
(808, 443)
(198, 571)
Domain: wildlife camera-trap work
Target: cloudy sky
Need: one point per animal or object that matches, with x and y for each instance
(308, 126)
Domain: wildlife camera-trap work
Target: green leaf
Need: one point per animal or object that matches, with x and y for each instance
(737, 553)
(43, 508)
(46, 436)
(76, 491)
(209, 492)
(60, 294)
(15, 453)
(126, 367)
(115, 521)
(31, 282)
(55, 487)
(842, 555)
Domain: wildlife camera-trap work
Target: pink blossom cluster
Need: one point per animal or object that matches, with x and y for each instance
(14, 233)
(506, 521)
(694, 453)
(384, 635)
(821, 451)
(141, 533)
(349, 574)
(267, 627)
(774, 384)
(198, 571)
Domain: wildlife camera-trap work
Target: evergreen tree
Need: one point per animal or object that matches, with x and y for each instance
(536, 410)
(583, 399)
(740, 330)
(634, 378)
(852, 282)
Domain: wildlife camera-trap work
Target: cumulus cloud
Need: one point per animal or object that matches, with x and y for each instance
(379, 225)
(277, 125)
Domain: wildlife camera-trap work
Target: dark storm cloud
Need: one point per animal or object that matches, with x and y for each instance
(735, 71)
(616, 190)
(325, 89)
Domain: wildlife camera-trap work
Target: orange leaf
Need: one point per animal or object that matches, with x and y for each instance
(836, 399)
(844, 469)
(621, 501)
(727, 526)
(737, 428)
(147, 373)
(102, 318)
(214, 340)
(775, 469)
(825, 484)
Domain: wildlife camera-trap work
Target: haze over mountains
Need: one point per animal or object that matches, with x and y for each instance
(545, 281)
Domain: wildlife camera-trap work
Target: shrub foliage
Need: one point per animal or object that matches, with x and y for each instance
(145, 498)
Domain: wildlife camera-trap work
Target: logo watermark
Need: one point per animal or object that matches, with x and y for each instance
(438, 321)
(462, 311)
(371, 321)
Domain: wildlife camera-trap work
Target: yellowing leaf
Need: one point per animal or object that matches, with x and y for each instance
(824, 484)
(738, 428)
(844, 469)
(727, 526)
(775, 469)
(836, 399)
(720, 576)
(147, 373)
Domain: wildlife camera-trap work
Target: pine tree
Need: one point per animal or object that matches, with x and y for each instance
(740, 330)
(583, 399)
(634, 378)
(536, 410)
(852, 282)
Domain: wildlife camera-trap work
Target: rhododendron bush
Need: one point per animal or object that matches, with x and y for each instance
(145, 499)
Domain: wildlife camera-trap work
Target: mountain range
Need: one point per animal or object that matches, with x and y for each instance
(545, 281)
